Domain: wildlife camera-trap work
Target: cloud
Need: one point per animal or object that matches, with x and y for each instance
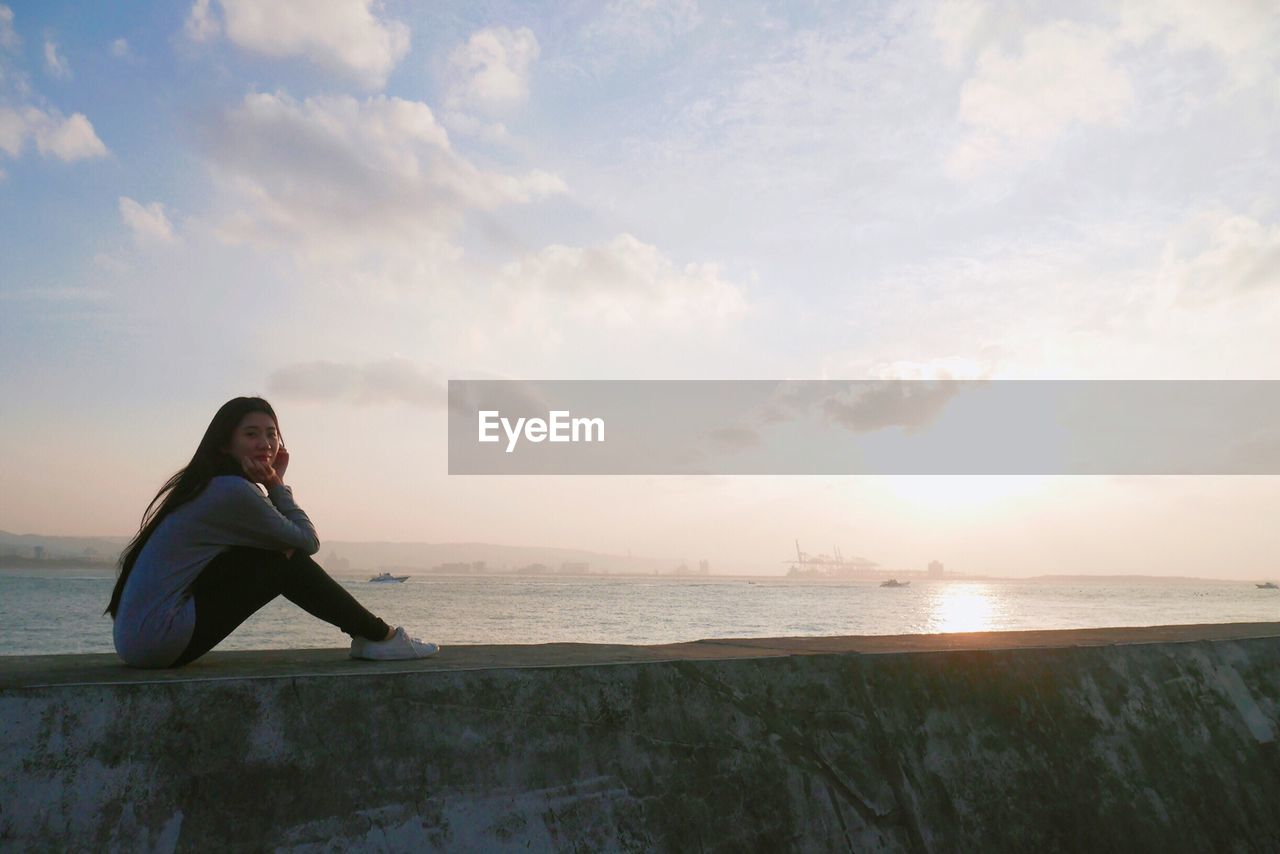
(867, 407)
(1033, 82)
(55, 135)
(956, 23)
(55, 295)
(70, 139)
(339, 178)
(1244, 35)
(55, 64)
(491, 71)
(120, 49)
(864, 406)
(735, 438)
(342, 35)
(23, 116)
(797, 119)
(13, 130)
(1015, 104)
(627, 28)
(507, 395)
(387, 381)
(200, 25)
(148, 223)
(465, 124)
(620, 283)
(1227, 255)
(9, 39)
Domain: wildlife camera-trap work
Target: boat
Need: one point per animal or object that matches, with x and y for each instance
(893, 582)
(1270, 585)
(388, 578)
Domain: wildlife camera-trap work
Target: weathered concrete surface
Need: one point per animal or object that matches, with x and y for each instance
(1161, 738)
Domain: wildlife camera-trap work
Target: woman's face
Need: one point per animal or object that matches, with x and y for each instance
(255, 437)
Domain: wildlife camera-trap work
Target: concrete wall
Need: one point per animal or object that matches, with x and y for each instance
(1165, 746)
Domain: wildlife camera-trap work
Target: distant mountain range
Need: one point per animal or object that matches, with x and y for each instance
(343, 558)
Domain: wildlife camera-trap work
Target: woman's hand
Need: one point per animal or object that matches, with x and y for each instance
(261, 471)
(281, 462)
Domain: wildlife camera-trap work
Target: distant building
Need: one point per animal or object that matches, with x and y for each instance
(935, 569)
(37, 552)
(704, 567)
(533, 569)
(574, 567)
(460, 568)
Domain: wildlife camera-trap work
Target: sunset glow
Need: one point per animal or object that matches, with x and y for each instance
(343, 206)
(962, 608)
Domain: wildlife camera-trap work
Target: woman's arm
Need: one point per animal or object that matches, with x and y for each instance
(238, 514)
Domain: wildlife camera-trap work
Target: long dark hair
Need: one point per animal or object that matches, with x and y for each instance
(209, 461)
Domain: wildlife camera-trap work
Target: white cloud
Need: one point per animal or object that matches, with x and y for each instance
(1244, 34)
(1015, 104)
(70, 139)
(1224, 255)
(120, 49)
(385, 381)
(619, 284)
(338, 34)
(1033, 82)
(1206, 306)
(466, 124)
(491, 71)
(149, 223)
(956, 23)
(55, 63)
(65, 138)
(200, 25)
(9, 39)
(798, 119)
(335, 177)
(56, 295)
(644, 27)
(13, 131)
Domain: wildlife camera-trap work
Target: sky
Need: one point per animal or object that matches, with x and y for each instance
(341, 205)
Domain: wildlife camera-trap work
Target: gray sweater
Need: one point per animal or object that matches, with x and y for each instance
(156, 615)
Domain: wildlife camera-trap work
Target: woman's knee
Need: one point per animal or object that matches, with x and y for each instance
(253, 554)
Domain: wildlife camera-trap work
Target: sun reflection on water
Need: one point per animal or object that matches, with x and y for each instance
(963, 608)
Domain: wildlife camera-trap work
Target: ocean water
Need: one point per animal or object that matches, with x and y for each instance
(44, 614)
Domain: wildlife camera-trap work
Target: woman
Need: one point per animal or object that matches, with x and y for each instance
(216, 550)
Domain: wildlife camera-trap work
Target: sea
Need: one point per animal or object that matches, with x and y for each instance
(42, 614)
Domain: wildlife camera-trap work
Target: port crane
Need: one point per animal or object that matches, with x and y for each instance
(835, 564)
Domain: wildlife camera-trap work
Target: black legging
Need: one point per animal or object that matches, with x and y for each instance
(241, 580)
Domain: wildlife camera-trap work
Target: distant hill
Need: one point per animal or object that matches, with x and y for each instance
(349, 558)
(98, 548)
(371, 556)
(1132, 579)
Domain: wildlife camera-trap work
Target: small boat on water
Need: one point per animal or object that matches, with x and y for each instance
(388, 578)
(1269, 585)
(893, 582)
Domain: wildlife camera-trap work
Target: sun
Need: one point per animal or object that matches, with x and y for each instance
(962, 608)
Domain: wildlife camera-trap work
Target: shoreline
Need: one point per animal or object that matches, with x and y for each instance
(81, 572)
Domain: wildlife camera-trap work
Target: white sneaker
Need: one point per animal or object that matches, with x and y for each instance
(401, 646)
